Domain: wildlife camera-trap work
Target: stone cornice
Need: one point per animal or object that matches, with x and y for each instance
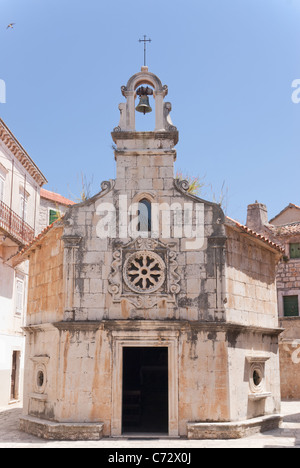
(78, 326)
(133, 135)
(162, 325)
(10, 141)
(183, 324)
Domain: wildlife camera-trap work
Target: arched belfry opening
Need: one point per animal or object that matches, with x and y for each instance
(161, 110)
(145, 108)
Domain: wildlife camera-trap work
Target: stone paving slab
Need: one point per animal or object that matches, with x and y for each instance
(288, 436)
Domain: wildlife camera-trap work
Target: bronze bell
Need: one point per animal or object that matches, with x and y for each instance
(144, 105)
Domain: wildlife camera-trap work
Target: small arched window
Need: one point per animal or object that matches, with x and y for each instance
(144, 224)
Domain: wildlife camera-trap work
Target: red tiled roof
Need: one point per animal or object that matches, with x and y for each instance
(252, 233)
(56, 198)
(289, 229)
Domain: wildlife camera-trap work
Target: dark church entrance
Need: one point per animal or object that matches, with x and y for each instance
(145, 390)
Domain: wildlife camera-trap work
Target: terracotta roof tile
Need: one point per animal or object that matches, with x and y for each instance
(289, 229)
(261, 237)
(56, 197)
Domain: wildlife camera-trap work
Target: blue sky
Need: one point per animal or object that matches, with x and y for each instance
(229, 66)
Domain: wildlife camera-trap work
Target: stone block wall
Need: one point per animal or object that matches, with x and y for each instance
(97, 262)
(208, 373)
(46, 280)
(288, 282)
(203, 377)
(250, 282)
(288, 274)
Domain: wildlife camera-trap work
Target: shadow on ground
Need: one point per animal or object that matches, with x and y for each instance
(9, 428)
(286, 436)
(290, 429)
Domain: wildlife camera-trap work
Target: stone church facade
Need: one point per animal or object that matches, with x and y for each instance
(149, 311)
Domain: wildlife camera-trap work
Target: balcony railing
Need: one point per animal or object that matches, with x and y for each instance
(14, 226)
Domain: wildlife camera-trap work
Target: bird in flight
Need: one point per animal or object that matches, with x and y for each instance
(11, 26)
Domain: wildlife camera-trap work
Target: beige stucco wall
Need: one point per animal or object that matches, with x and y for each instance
(291, 215)
(17, 182)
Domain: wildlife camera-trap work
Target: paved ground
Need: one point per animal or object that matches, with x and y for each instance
(287, 436)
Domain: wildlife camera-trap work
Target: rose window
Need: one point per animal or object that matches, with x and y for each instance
(144, 272)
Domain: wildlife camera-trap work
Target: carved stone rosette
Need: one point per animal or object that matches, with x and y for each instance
(144, 272)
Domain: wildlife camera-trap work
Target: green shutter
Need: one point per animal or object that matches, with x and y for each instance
(295, 250)
(53, 216)
(291, 308)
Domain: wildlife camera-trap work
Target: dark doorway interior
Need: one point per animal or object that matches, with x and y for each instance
(145, 390)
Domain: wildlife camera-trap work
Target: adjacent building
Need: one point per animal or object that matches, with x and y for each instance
(20, 184)
(52, 207)
(26, 209)
(284, 229)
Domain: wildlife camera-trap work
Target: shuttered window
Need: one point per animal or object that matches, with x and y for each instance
(291, 308)
(53, 216)
(295, 250)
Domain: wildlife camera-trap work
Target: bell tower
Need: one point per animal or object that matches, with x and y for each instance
(141, 155)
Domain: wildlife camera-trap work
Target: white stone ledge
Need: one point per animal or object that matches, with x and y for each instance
(233, 430)
(61, 431)
(259, 396)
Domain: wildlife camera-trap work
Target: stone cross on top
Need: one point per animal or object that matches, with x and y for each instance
(145, 41)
